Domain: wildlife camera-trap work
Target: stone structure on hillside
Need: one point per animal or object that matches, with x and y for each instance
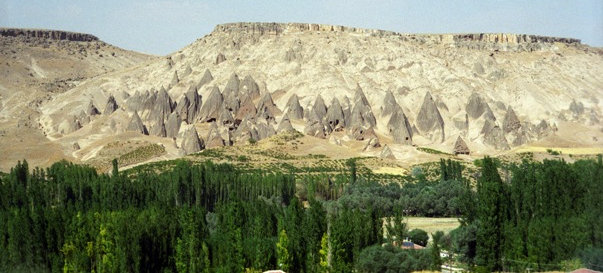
(460, 147)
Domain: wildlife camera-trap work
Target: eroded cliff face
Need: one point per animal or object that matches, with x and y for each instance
(488, 41)
(47, 34)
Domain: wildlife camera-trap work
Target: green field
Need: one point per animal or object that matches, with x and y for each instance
(431, 224)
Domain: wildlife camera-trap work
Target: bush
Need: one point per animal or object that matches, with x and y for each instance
(418, 236)
(392, 259)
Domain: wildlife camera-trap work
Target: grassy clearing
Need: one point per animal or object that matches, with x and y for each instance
(431, 151)
(127, 153)
(561, 150)
(431, 225)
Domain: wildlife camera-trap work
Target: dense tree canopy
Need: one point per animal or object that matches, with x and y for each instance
(207, 217)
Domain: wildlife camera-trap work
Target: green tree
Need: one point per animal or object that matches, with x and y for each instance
(115, 170)
(323, 253)
(435, 250)
(490, 216)
(284, 258)
(396, 229)
(418, 236)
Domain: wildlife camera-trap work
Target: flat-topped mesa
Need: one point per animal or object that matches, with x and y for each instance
(262, 28)
(47, 34)
(508, 38)
(488, 41)
(500, 41)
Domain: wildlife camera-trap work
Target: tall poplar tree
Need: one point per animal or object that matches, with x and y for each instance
(490, 216)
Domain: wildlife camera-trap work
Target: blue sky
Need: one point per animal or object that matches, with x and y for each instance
(163, 26)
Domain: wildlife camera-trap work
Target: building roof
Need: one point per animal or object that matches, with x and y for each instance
(411, 245)
(460, 147)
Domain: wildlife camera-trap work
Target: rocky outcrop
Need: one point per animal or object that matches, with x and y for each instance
(136, 125)
(460, 147)
(231, 93)
(542, 129)
(319, 109)
(285, 125)
(111, 106)
(91, 109)
(493, 135)
(429, 121)
(334, 118)
(189, 106)
(182, 108)
(462, 124)
(511, 123)
(245, 132)
(250, 87)
(360, 133)
(144, 102)
(214, 139)
(158, 129)
(232, 86)
(264, 129)
(220, 58)
(191, 143)
(47, 34)
(293, 108)
(226, 118)
(266, 108)
(362, 114)
(371, 144)
(389, 104)
(315, 128)
(399, 127)
(387, 153)
(207, 78)
(69, 125)
(137, 101)
(247, 109)
(83, 118)
(476, 106)
(162, 107)
(487, 41)
(577, 108)
(347, 110)
(210, 110)
(187, 71)
(168, 63)
(173, 125)
(175, 80)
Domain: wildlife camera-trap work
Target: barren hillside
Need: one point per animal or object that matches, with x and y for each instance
(370, 92)
(36, 66)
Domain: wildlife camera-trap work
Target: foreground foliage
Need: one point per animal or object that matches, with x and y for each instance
(217, 218)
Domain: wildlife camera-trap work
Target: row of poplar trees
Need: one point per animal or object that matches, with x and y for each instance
(540, 216)
(192, 218)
